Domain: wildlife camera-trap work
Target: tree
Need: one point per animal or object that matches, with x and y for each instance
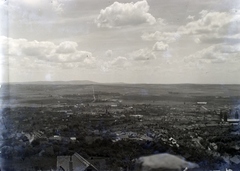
(225, 116)
(221, 116)
(35, 143)
(236, 115)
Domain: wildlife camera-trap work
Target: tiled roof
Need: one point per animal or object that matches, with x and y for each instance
(78, 162)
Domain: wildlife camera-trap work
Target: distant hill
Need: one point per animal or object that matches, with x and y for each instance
(88, 82)
(73, 82)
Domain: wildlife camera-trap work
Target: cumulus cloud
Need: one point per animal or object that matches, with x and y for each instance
(168, 37)
(213, 25)
(197, 40)
(31, 10)
(122, 14)
(57, 6)
(117, 63)
(53, 5)
(31, 48)
(108, 53)
(67, 47)
(209, 22)
(160, 46)
(27, 12)
(64, 53)
(220, 53)
(77, 56)
(142, 55)
(161, 22)
(190, 17)
(129, 59)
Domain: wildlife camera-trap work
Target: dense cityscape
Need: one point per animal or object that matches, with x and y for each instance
(111, 129)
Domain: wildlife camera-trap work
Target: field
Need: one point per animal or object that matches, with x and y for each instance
(21, 94)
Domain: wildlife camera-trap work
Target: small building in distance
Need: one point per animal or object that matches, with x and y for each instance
(233, 121)
(201, 103)
(74, 163)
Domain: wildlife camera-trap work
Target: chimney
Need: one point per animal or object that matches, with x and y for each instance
(70, 164)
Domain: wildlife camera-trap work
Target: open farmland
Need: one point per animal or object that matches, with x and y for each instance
(48, 94)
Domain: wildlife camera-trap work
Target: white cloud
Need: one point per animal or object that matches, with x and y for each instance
(122, 14)
(210, 27)
(134, 59)
(77, 56)
(53, 5)
(213, 25)
(109, 53)
(197, 40)
(118, 63)
(31, 48)
(161, 22)
(31, 10)
(57, 6)
(160, 46)
(209, 22)
(15, 13)
(220, 53)
(67, 47)
(168, 37)
(142, 55)
(190, 17)
(22, 50)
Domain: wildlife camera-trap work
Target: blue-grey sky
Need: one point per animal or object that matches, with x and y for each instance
(146, 41)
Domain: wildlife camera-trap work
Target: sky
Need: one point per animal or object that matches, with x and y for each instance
(130, 41)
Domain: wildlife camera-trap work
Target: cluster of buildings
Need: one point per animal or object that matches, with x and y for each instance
(115, 120)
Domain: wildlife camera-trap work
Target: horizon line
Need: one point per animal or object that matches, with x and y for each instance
(95, 82)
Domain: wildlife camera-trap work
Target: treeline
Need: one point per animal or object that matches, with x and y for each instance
(118, 154)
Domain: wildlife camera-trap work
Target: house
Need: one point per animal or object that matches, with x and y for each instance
(233, 121)
(201, 103)
(114, 105)
(55, 138)
(123, 137)
(73, 139)
(74, 163)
